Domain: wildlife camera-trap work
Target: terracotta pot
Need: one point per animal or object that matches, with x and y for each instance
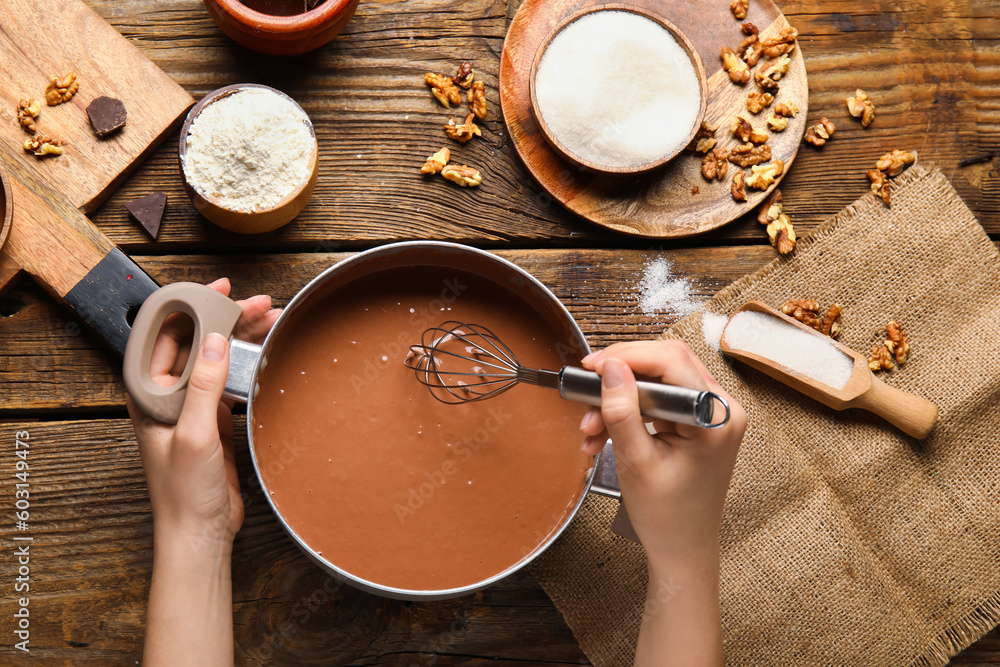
(281, 35)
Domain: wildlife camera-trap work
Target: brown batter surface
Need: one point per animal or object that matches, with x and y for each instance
(384, 481)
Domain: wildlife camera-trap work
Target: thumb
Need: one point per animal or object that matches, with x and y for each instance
(620, 410)
(205, 386)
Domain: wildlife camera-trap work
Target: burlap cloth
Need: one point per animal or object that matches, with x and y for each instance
(844, 541)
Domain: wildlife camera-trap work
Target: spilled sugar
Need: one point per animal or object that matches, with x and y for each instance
(616, 88)
(664, 292)
(712, 326)
(808, 354)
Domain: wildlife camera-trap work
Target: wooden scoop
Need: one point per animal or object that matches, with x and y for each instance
(913, 415)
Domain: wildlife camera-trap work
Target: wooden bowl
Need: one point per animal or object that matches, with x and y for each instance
(256, 221)
(682, 41)
(6, 206)
(281, 35)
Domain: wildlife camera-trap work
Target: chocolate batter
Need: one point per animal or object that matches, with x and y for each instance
(389, 484)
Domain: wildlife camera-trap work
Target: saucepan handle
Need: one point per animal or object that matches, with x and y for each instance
(210, 312)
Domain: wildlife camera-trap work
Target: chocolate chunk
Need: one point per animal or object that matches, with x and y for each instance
(107, 115)
(148, 211)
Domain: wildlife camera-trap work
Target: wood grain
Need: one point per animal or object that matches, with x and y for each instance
(674, 200)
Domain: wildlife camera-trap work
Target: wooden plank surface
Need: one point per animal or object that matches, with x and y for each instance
(932, 68)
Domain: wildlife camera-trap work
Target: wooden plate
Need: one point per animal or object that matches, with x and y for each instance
(659, 204)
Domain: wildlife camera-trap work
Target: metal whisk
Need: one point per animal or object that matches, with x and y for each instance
(461, 363)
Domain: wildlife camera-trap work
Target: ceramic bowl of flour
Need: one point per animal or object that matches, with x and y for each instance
(249, 158)
(618, 89)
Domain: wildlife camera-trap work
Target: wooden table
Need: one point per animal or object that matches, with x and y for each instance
(933, 69)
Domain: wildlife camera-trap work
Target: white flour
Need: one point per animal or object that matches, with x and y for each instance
(249, 150)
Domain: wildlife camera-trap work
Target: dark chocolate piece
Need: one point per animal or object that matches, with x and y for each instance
(107, 115)
(148, 212)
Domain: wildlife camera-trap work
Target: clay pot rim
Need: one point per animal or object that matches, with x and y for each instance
(258, 22)
(8, 205)
(684, 43)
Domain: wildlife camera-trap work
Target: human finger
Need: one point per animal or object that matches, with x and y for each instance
(620, 410)
(204, 391)
(173, 342)
(670, 361)
(257, 319)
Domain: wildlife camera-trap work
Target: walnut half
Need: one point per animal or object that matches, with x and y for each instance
(742, 128)
(714, 164)
(748, 155)
(27, 112)
(477, 99)
(61, 90)
(880, 185)
(861, 107)
(764, 176)
(436, 162)
(463, 175)
(463, 132)
(734, 65)
(895, 162)
(739, 187)
(42, 145)
(818, 134)
(444, 89)
(757, 102)
(464, 75)
(739, 8)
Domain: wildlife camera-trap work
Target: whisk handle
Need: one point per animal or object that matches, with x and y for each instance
(656, 400)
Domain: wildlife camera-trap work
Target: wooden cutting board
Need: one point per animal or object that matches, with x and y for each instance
(41, 38)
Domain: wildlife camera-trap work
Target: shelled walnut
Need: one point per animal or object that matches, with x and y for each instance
(764, 176)
(880, 359)
(477, 99)
(62, 89)
(463, 175)
(818, 134)
(895, 162)
(41, 145)
(734, 65)
(714, 164)
(781, 43)
(27, 111)
(830, 323)
(766, 83)
(463, 132)
(880, 185)
(781, 234)
(464, 76)
(807, 312)
(750, 49)
(436, 162)
(777, 123)
(771, 208)
(748, 155)
(757, 102)
(739, 188)
(786, 109)
(897, 341)
(704, 138)
(739, 8)
(742, 128)
(861, 106)
(444, 89)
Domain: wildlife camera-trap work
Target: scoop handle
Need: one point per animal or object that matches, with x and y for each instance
(912, 414)
(656, 400)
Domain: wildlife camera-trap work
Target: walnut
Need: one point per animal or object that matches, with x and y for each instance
(739, 188)
(861, 107)
(895, 162)
(771, 208)
(42, 145)
(775, 69)
(897, 342)
(27, 112)
(750, 49)
(477, 99)
(777, 123)
(818, 134)
(880, 359)
(764, 176)
(741, 128)
(830, 324)
(465, 131)
(766, 83)
(781, 43)
(798, 308)
(757, 102)
(444, 89)
(463, 175)
(880, 185)
(703, 140)
(714, 164)
(61, 90)
(748, 155)
(738, 70)
(739, 8)
(436, 162)
(786, 109)
(782, 234)
(464, 75)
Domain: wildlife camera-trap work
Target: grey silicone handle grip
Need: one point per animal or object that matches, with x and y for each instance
(210, 311)
(659, 401)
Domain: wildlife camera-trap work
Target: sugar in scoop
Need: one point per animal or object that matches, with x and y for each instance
(615, 88)
(800, 351)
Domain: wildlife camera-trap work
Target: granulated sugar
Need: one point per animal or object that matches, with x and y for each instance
(664, 292)
(712, 326)
(808, 354)
(249, 150)
(617, 89)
